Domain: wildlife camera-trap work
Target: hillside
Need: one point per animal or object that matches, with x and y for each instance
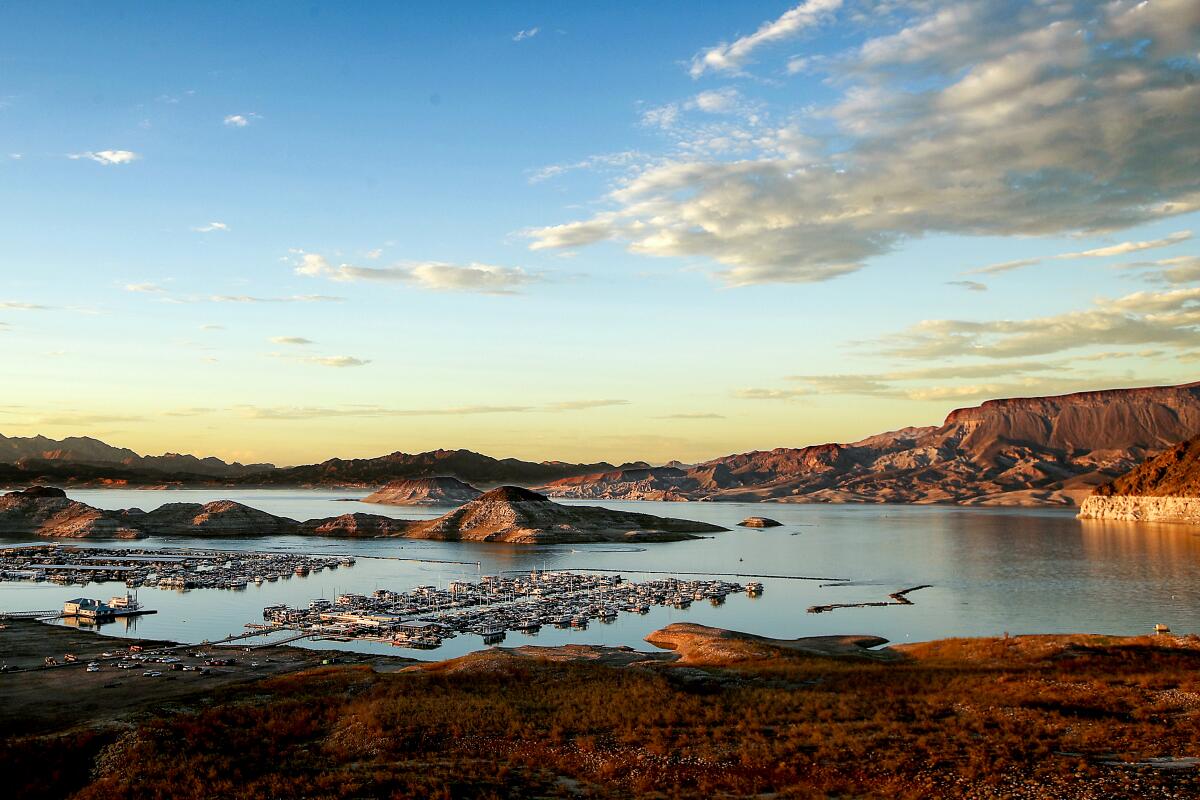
(1175, 473)
(1039, 450)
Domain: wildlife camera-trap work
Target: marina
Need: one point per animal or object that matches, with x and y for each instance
(164, 569)
(493, 606)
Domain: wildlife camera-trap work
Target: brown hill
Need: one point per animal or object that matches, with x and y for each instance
(1038, 450)
(1175, 473)
(441, 490)
(516, 515)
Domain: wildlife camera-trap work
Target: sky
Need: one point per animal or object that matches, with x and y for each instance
(281, 231)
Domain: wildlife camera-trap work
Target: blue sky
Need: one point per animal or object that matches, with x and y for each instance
(280, 232)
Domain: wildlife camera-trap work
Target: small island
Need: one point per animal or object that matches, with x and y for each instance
(760, 522)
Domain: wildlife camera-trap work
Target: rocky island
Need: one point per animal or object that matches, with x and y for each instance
(1163, 489)
(520, 516)
(437, 491)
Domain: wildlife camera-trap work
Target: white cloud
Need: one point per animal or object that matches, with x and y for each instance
(144, 288)
(622, 160)
(1168, 318)
(107, 157)
(1125, 248)
(15, 305)
(296, 340)
(211, 227)
(435, 275)
(240, 120)
(971, 286)
(731, 57)
(583, 405)
(980, 118)
(1177, 270)
(528, 33)
(338, 361)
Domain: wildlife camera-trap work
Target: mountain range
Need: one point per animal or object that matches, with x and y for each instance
(1021, 451)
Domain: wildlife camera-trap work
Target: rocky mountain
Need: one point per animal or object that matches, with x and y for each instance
(441, 490)
(1023, 451)
(81, 452)
(519, 516)
(1165, 488)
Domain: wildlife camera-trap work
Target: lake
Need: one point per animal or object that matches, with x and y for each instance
(989, 570)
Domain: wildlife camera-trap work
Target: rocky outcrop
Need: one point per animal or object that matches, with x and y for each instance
(439, 491)
(1163, 489)
(520, 516)
(1142, 509)
(1023, 451)
(760, 522)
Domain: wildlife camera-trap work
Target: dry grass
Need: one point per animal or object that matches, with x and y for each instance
(979, 718)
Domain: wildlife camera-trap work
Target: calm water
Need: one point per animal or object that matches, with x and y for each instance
(991, 570)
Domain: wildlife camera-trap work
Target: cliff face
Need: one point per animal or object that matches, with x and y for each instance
(1023, 451)
(442, 490)
(1142, 509)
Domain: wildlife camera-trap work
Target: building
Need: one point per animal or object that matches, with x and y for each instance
(86, 607)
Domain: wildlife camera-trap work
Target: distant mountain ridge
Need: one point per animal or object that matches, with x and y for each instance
(87, 461)
(84, 450)
(1021, 451)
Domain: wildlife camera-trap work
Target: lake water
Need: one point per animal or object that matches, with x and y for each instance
(990, 570)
